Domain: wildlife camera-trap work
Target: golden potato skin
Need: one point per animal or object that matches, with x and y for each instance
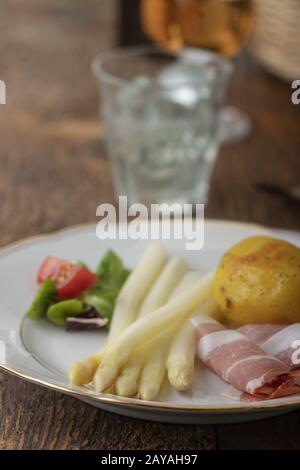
(258, 281)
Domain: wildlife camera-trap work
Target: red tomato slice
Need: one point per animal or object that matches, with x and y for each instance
(70, 279)
(51, 268)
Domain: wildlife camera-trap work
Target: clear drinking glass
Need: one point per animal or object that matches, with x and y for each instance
(160, 114)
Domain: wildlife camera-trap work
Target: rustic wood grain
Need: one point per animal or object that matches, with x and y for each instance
(277, 433)
(54, 172)
(35, 418)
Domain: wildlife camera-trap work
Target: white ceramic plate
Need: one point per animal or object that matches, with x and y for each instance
(42, 353)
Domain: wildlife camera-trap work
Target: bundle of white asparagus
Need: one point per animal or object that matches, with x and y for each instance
(151, 334)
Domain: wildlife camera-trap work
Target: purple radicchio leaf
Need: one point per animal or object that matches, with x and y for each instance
(88, 320)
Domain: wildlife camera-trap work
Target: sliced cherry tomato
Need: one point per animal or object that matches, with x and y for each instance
(51, 268)
(70, 279)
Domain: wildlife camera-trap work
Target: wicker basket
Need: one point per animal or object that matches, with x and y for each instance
(276, 39)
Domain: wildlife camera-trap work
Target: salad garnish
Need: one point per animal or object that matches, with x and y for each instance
(71, 279)
(88, 320)
(59, 312)
(71, 294)
(44, 298)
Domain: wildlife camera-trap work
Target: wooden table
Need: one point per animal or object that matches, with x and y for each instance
(54, 172)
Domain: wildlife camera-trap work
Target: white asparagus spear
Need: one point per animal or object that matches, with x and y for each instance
(129, 299)
(135, 289)
(154, 370)
(148, 327)
(82, 373)
(110, 390)
(190, 278)
(181, 355)
(127, 382)
(180, 360)
(167, 281)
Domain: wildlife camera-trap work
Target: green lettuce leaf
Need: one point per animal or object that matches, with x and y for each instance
(111, 271)
(44, 298)
(112, 275)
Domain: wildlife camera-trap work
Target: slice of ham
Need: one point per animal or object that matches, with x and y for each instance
(281, 341)
(241, 362)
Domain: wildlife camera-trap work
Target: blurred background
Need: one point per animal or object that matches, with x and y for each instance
(54, 165)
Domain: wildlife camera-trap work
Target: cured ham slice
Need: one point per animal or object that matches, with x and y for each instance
(281, 341)
(241, 362)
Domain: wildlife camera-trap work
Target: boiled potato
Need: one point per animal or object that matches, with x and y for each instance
(258, 281)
